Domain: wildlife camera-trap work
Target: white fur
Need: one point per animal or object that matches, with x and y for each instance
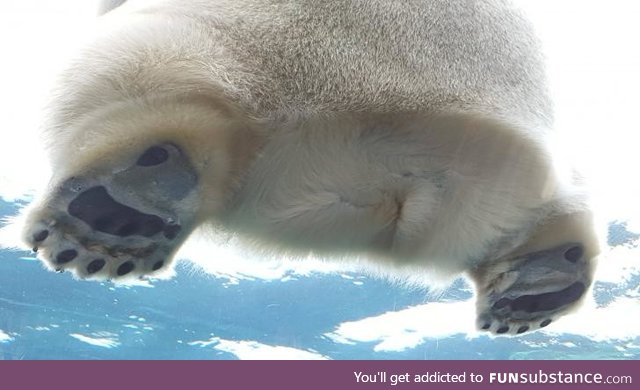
(449, 94)
(416, 133)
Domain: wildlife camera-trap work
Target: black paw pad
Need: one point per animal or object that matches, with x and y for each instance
(125, 268)
(502, 302)
(66, 256)
(573, 254)
(158, 265)
(523, 329)
(502, 329)
(95, 266)
(153, 156)
(548, 301)
(545, 323)
(172, 231)
(41, 236)
(103, 213)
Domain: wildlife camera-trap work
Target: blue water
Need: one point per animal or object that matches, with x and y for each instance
(44, 315)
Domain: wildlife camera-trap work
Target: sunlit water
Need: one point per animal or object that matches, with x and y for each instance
(44, 315)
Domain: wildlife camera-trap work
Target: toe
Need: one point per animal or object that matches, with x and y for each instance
(41, 236)
(157, 265)
(125, 268)
(66, 256)
(95, 266)
(502, 329)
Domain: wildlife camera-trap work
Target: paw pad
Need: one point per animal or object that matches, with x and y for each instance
(100, 211)
(573, 254)
(157, 265)
(127, 222)
(125, 268)
(502, 329)
(41, 236)
(95, 266)
(66, 256)
(155, 155)
(546, 285)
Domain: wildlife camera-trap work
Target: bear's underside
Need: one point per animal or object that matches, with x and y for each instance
(416, 134)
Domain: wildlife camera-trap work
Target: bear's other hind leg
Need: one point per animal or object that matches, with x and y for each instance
(541, 281)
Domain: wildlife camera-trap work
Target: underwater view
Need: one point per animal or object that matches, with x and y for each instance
(278, 312)
(219, 305)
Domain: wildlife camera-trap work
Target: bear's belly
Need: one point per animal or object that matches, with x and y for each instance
(446, 190)
(385, 214)
(360, 190)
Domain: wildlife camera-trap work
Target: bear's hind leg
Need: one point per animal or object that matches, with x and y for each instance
(108, 224)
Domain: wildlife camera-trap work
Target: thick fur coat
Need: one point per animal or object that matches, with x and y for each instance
(418, 134)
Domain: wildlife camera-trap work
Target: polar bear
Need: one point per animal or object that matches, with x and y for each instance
(417, 134)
